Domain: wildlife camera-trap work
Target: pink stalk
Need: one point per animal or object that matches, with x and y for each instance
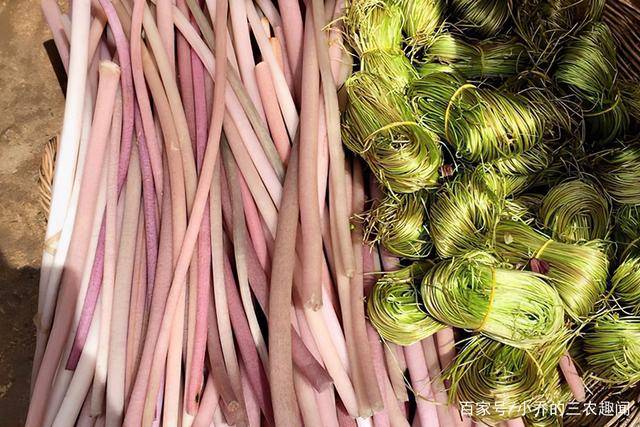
(440, 393)
(420, 383)
(357, 297)
(239, 238)
(52, 15)
(573, 378)
(116, 367)
(285, 98)
(395, 417)
(254, 224)
(325, 399)
(165, 26)
(280, 300)
(144, 104)
(242, 42)
(293, 33)
(280, 50)
(208, 405)
(233, 406)
(336, 153)
(110, 254)
(124, 55)
(133, 413)
(272, 111)
(517, 422)
(109, 77)
(173, 369)
(81, 382)
(311, 290)
(137, 312)
(250, 402)
(194, 383)
(185, 75)
(254, 369)
(65, 167)
(303, 359)
(240, 108)
(344, 295)
(150, 207)
(166, 70)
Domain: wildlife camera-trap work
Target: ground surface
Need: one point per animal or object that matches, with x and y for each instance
(31, 106)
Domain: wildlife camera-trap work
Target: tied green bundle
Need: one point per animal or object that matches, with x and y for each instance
(619, 172)
(577, 271)
(628, 223)
(514, 174)
(463, 216)
(398, 222)
(373, 25)
(546, 24)
(390, 65)
(512, 382)
(630, 92)
(372, 104)
(378, 125)
(514, 307)
(625, 282)
(612, 346)
(395, 310)
(405, 157)
(588, 67)
(482, 124)
(483, 60)
(486, 16)
(575, 211)
(421, 20)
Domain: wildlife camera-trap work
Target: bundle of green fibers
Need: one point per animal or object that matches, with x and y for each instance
(463, 216)
(476, 293)
(625, 281)
(513, 382)
(421, 20)
(588, 67)
(378, 125)
(373, 25)
(575, 211)
(486, 16)
(577, 271)
(612, 345)
(398, 222)
(482, 60)
(395, 307)
(482, 124)
(619, 172)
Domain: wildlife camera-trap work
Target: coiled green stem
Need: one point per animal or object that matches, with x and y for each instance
(373, 25)
(625, 281)
(612, 345)
(421, 20)
(512, 382)
(577, 271)
(575, 211)
(514, 307)
(395, 307)
(399, 223)
(619, 172)
(486, 16)
(482, 124)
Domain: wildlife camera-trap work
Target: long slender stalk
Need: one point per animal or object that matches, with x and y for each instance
(110, 74)
(336, 153)
(66, 159)
(280, 300)
(311, 290)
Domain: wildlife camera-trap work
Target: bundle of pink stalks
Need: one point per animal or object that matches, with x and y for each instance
(200, 264)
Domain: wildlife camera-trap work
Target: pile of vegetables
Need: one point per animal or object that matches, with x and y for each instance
(215, 255)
